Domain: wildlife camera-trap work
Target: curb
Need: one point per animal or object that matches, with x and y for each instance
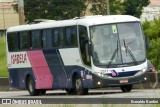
(152, 83)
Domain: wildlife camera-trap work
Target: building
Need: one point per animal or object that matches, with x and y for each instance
(152, 11)
(8, 17)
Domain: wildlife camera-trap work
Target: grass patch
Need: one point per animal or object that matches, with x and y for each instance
(3, 61)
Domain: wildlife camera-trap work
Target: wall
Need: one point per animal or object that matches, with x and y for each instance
(8, 17)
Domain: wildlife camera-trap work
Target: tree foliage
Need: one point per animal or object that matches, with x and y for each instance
(152, 31)
(153, 53)
(99, 7)
(52, 9)
(135, 7)
(128, 7)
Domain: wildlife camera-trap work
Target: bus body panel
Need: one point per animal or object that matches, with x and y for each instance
(49, 71)
(100, 82)
(40, 69)
(18, 75)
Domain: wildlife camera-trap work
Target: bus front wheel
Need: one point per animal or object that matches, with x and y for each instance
(126, 88)
(31, 87)
(78, 86)
(70, 91)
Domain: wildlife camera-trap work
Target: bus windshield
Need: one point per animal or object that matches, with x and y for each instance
(117, 44)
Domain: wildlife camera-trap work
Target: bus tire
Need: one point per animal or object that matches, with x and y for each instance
(78, 86)
(42, 92)
(31, 87)
(126, 88)
(70, 91)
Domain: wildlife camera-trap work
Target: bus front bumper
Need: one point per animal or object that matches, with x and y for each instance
(99, 82)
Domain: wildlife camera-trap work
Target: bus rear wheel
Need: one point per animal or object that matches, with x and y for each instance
(70, 91)
(78, 86)
(42, 92)
(126, 88)
(31, 87)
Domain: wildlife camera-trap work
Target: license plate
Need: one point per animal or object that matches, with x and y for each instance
(88, 76)
(123, 81)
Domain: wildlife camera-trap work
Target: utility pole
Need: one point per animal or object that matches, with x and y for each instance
(107, 4)
(21, 11)
(4, 22)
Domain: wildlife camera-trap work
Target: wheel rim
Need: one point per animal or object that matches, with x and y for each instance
(78, 85)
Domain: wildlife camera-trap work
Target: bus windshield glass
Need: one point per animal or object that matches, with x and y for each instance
(117, 44)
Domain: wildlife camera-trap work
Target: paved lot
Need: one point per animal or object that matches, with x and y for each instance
(140, 93)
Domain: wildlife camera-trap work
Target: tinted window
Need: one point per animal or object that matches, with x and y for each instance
(83, 39)
(36, 39)
(13, 41)
(71, 36)
(47, 38)
(58, 37)
(24, 40)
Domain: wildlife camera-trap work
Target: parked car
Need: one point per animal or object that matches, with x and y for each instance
(150, 68)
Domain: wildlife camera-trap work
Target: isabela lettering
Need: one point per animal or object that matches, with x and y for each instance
(18, 58)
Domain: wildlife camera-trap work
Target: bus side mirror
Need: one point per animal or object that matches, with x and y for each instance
(90, 49)
(147, 43)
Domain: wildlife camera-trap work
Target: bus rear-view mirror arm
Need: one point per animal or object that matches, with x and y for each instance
(90, 49)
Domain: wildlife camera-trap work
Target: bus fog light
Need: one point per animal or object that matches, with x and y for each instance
(145, 78)
(98, 83)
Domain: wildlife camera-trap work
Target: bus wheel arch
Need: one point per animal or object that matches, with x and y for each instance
(30, 85)
(78, 85)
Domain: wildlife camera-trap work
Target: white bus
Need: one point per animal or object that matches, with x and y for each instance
(77, 54)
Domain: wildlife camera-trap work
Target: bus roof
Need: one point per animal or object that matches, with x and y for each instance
(86, 21)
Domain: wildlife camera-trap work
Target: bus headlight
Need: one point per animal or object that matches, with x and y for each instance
(144, 69)
(141, 71)
(99, 74)
(102, 75)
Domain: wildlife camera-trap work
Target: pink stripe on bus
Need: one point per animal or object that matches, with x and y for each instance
(44, 78)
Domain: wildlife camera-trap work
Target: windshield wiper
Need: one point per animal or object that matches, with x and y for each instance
(113, 55)
(130, 52)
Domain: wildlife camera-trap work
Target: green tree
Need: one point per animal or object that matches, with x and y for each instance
(135, 7)
(99, 7)
(153, 53)
(152, 31)
(52, 9)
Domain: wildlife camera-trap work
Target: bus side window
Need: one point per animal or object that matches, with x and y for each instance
(83, 40)
(24, 40)
(47, 38)
(58, 37)
(71, 36)
(13, 41)
(36, 39)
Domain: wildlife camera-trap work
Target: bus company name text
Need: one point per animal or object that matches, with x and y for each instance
(18, 58)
